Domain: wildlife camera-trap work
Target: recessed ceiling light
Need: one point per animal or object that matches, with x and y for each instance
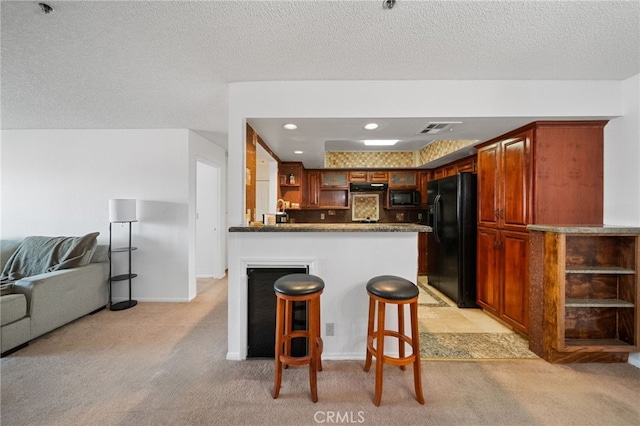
(290, 126)
(371, 126)
(298, 152)
(380, 142)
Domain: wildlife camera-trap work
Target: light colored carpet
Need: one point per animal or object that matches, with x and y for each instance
(164, 364)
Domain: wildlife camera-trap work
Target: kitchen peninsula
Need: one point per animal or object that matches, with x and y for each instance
(344, 255)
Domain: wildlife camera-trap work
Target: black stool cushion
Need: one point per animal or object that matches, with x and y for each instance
(392, 287)
(298, 284)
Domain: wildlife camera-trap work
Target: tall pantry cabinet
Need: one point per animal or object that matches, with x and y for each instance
(548, 173)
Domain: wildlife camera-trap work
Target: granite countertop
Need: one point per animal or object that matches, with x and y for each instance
(585, 229)
(334, 227)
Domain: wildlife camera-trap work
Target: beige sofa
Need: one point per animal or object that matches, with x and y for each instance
(35, 305)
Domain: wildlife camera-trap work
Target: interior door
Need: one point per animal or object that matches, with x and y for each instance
(207, 221)
(262, 198)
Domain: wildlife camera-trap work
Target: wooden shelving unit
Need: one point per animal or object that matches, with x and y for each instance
(129, 276)
(584, 283)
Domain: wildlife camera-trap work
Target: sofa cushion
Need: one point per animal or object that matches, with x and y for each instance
(38, 255)
(12, 308)
(88, 255)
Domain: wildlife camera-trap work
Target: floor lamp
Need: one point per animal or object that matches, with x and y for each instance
(121, 211)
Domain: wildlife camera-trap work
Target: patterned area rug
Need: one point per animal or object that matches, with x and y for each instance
(426, 297)
(474, 346)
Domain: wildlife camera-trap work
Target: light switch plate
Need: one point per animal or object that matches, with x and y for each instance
(329, 329)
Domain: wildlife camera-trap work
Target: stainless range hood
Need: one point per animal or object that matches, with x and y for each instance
(367, 186)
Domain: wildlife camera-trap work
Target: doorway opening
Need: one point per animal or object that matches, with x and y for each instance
(209, 250)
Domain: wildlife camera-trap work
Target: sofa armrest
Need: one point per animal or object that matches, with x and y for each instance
(58, 297)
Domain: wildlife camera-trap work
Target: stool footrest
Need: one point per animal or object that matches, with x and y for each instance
(401, 361)
(295, 360)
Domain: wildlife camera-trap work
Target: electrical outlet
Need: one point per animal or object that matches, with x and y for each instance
(321, 216)
(419, 216)
(329, 330)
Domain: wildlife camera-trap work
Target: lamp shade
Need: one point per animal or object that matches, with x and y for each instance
(122, 210)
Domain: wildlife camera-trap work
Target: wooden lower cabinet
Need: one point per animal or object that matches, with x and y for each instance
(502, 275)
(515, 282)
(422, 253)
(488, 277)
(584, 288)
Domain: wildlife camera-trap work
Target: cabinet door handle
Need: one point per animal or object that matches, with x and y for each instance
(497, 214)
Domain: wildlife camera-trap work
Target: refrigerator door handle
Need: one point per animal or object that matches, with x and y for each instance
(436, 217)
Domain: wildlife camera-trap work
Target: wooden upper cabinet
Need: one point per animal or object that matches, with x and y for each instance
(311, 194)
(467, 165)
(568, 173)
(545, 173)
(503, 185)
(378, 176)
(368, 176)
(514, 188)
(404, 179)
(488, 185)
(358, 176)
(334, 179)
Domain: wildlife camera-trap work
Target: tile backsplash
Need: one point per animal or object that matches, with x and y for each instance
(402, 159)
(438, 149)
(394, 159)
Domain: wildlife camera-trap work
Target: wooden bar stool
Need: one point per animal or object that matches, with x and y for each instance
(298, 288)
(389, 289)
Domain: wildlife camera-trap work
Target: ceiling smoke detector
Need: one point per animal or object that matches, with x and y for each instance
(436, 127)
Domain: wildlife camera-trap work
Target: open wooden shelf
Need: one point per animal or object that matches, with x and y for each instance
(597, 303)
(589, 283)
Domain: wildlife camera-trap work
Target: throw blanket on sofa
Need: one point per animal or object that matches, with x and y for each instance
(37, 255)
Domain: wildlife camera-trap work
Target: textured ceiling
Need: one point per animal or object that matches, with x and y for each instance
(166, 64)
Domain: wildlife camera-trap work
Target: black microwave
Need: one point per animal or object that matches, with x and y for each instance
(404, 198)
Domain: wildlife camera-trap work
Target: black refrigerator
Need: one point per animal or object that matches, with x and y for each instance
(451, 246)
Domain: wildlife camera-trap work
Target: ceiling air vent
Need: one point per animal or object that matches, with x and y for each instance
(436, 127)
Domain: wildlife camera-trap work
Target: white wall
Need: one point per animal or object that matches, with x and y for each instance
(59, 182)
(345, 269)
(622, 174)
(622, 156)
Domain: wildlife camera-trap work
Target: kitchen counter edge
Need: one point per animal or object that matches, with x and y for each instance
(585, 229)
(334, 227)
